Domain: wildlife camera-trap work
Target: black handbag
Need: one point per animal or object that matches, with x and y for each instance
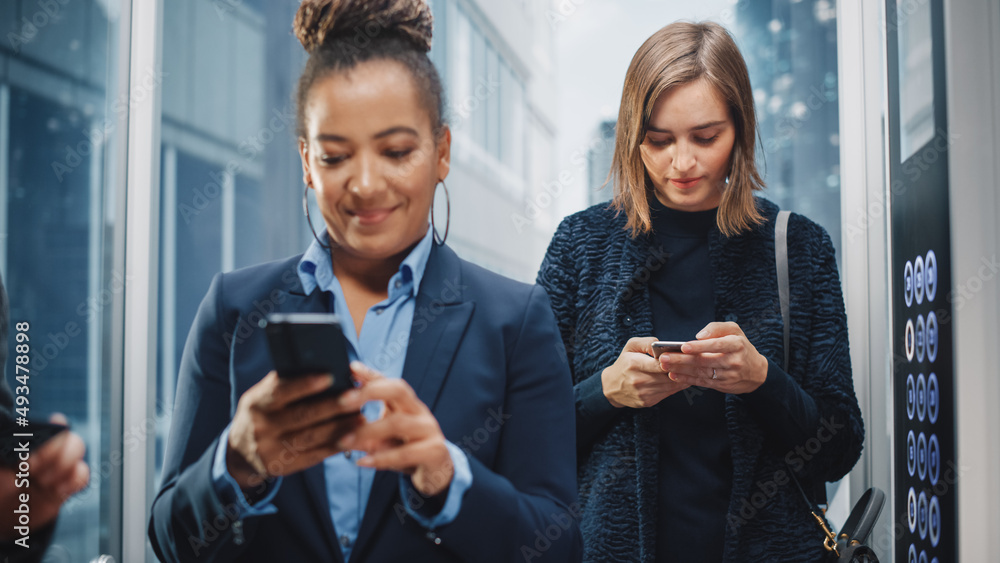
(849, 545)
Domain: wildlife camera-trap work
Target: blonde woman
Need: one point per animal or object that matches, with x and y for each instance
(689, 457)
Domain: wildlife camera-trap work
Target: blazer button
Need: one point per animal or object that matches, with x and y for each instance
(238, 538)
(627, 320)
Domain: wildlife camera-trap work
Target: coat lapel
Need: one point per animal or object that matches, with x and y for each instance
(640, 257)
(440, 318)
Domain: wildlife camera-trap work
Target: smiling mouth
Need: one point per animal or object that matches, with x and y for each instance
(372, 216)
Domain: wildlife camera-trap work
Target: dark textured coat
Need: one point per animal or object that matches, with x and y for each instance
(597, 279)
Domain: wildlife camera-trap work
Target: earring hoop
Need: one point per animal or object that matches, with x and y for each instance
(439, 240)
(305, 207)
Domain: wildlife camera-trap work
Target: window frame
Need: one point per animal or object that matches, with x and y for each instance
(140, 259)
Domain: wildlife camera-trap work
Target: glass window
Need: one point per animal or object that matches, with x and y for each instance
(460, 75)
(506, 97)
(490, 89)
(439, 45)
(511, 120)
(791, 53)
(476, 102)
(61, 132)
(916, 77)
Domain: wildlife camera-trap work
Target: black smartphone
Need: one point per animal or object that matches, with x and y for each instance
(309, 343)
(13, 437)
(662, 346)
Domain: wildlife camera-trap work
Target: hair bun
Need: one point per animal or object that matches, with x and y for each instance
(319, 22)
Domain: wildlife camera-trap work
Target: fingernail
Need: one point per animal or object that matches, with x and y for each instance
(702, 334)
(672, 377)
(349, 398)
(365, 461)
(357, 366)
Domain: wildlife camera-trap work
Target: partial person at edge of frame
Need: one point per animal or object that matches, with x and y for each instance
(676, 454)
(478, 351)
(57, 472)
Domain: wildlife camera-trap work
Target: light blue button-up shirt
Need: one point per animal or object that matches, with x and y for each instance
(382, 346)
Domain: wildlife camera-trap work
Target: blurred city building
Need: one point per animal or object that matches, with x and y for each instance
(496, 59)
(599, 156)
(791, 51)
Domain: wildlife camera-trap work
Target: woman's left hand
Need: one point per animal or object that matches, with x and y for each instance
(722, 358)
(407, 438)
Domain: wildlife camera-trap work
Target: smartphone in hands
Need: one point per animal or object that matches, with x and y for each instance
(309, 343)
(662, 346)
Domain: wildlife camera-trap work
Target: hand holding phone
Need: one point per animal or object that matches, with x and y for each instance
(297, 404)
(635, 379)
(309, 343)
(12, 437)
(661, 346)
(54, 471)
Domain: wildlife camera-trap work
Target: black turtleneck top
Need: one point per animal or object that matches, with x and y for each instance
(696, 468)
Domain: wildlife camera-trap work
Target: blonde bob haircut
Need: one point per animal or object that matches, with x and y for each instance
(678, 54)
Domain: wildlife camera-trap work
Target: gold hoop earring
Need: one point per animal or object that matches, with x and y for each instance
(439, 240)
(305, 207)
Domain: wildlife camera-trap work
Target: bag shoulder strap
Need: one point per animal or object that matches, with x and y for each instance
(781, 266)
(862, 519)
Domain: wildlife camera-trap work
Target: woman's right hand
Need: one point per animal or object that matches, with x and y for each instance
(636, 379)
(276, 433)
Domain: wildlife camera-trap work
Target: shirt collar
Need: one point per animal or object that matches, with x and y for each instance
(316, 270)
(415, 263)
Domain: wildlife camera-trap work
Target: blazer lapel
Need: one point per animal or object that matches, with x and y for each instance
(440, 318)
(313, 479)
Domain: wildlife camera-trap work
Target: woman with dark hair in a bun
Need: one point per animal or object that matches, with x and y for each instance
(464, 448)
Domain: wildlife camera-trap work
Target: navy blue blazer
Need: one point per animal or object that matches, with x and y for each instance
(485, 356)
